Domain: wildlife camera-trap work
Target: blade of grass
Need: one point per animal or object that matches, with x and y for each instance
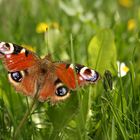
(117, 118)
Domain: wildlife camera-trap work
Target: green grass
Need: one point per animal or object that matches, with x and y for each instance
(93, 33)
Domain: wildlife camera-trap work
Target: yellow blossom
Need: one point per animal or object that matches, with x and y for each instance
(122, 69)
(42, 27)
(126, 3)
(131, 24)
(28, 47)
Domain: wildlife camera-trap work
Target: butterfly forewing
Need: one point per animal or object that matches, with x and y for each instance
(16, 58)
(76, 75)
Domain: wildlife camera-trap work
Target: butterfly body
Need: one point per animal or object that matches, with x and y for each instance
(52, 80)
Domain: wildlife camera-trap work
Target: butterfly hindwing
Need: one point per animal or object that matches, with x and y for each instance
(53, 89)
(24, 81)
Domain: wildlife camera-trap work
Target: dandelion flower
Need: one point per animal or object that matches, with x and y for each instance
(42, 27)
(131, 25)
(126, 3)
(122, 69)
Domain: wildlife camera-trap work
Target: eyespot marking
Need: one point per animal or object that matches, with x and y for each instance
(61, 89)
(6, 48)
(89, 75)
(16, 77)
(87, 71)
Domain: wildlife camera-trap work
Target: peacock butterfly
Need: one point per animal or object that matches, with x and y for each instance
(53, 80)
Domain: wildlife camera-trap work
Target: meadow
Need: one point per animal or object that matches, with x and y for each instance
(103, 35)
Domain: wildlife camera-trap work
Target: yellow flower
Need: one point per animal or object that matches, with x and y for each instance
(131, 24)
(122, 69)
(42, 27)
(28, 47)
(126, 3)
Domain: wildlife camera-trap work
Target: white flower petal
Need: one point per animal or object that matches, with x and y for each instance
(122, 69)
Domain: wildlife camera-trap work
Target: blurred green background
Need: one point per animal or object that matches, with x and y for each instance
(98, 34)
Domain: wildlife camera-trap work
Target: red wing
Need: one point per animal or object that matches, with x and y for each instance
(75, 77)
(18, 62)
(53, 89)
(24, 81)
(66, 75)
(16, 58)
(29, 80)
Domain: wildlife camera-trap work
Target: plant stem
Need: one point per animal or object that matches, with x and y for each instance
(25, 117)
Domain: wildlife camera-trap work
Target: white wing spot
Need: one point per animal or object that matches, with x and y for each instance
(71, 66)
(22, 51)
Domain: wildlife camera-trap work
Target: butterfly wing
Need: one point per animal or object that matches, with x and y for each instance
(53, 89)
(39, 78)
(24, 81)
(16, 58)
(76, 76)
(22, 66)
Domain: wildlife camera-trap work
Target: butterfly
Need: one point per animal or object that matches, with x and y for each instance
(51, 80)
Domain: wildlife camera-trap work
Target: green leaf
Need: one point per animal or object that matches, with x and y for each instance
(61, 114)
(102, 51)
